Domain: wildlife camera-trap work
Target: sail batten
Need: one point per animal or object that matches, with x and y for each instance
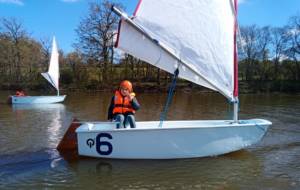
(195, 36)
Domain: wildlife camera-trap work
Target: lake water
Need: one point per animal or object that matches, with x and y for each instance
(30, 134)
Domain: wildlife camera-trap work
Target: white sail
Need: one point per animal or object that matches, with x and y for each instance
(52, 76)
(199, 33)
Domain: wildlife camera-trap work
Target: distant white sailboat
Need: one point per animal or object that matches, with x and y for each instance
(196, 41)
(52, 76)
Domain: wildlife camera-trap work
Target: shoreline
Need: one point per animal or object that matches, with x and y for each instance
(245, 87)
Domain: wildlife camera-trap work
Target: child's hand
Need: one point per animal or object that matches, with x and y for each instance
(131, 96)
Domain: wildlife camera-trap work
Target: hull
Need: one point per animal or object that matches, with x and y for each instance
(176, 139)
(37, 99)
(44, 107)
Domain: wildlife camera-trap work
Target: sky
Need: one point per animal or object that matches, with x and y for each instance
(43, 19)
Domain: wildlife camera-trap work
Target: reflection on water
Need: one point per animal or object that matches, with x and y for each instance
(30, 133)
(33, 127)
(47, 169)
(53, 121)
(170, 174)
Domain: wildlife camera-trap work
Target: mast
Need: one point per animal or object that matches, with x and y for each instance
(235, 89)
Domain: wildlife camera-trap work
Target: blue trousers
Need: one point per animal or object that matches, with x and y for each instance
(124, 121)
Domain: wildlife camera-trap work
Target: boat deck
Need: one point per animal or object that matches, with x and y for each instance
(152, 125)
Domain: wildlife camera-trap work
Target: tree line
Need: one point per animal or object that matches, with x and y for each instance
(269, 57)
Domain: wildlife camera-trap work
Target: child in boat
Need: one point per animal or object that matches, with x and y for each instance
(20, 92)
(123, 106)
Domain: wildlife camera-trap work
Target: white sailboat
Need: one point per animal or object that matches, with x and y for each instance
(197, 39)
(52, 76)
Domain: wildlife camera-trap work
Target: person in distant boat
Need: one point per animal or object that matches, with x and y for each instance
(20, 92)
(123, 106)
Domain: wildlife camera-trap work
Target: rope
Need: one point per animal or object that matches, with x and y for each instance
(169, 98)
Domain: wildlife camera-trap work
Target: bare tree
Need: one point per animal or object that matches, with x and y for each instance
(294, 39)
(249, 40)
(279, 39)
(5, 56)
(14, 30)
(96, 32)
(45, 49)
(263, 50)
(255, 42)
(74, 60)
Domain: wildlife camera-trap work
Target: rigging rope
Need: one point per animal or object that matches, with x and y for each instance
(169, 98)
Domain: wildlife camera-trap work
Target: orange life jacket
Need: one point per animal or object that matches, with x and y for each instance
(20, 93)
(122, 104)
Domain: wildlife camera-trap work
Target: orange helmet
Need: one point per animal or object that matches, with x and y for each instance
(126, 84)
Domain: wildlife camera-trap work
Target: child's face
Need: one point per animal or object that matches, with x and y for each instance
(124, 91)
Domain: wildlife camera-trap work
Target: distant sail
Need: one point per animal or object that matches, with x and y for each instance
(52, 76)
(200, 33)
